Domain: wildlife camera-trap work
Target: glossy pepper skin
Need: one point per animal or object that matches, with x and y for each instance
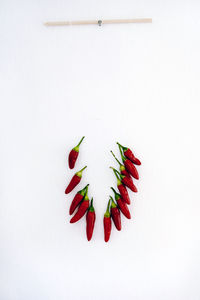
(129, 165)
(81, 210)
(122, 189)
(129, 154)
(126, 173)
(122, 205)
(74, 181)
(90, 221)
(124, 193)
(77, 199)
(73, 155)
(129, 183)
(131, 168)
(107, 223)
(115, 214)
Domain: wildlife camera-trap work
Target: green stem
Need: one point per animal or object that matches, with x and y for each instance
(116, 158)
(124, 148)
(113, 190)
(107, 213)
(113, 204)
(86, 188)
(108, 206)
(120, 175)
(80, 141)
(91, 205)
(82, 192)
(79, 173)
(77, 147)
(122, 156)
(119, 144)
(86, 198)
(118, 180)
(117, 196)
(114, 170)
(83, 169)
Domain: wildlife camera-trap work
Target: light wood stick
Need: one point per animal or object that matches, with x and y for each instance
(98, 22)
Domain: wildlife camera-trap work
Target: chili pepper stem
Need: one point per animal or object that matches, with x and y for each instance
(113, 190)
(83, 169)
(122, 156)
(86, 191)
(107, 213)
(80, 141)
(86, 187)
(113, 204)
(119, 174)
(77, 147)
(116, 158)
(118, 180)
(91, 208)
(121, 146)
(116, 172)
(79, 173)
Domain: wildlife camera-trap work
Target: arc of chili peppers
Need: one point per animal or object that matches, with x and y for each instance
(121, 204)
(121, 167)
(74, 181)
(129, 154)
(81, 210)
(122, 189)
(77, 199)
(129, 165)
(73, 155)
(115, 214)
(107, 223)
(90, 221)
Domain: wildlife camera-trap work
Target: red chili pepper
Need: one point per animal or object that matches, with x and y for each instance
(90, 221)
(73, 155)
(107, 223)
(129, 154)
(127, 181)
(121, 167)
(115, 214)
(81, 210)
(74, 181)
(122, 189)
(77, 199)
(122, 205)
(129, 165)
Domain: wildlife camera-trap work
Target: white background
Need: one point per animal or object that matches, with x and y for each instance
(138, 84)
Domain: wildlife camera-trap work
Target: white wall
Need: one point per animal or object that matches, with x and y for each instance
(138, 84)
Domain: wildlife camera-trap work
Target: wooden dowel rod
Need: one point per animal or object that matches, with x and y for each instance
(98, 22)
